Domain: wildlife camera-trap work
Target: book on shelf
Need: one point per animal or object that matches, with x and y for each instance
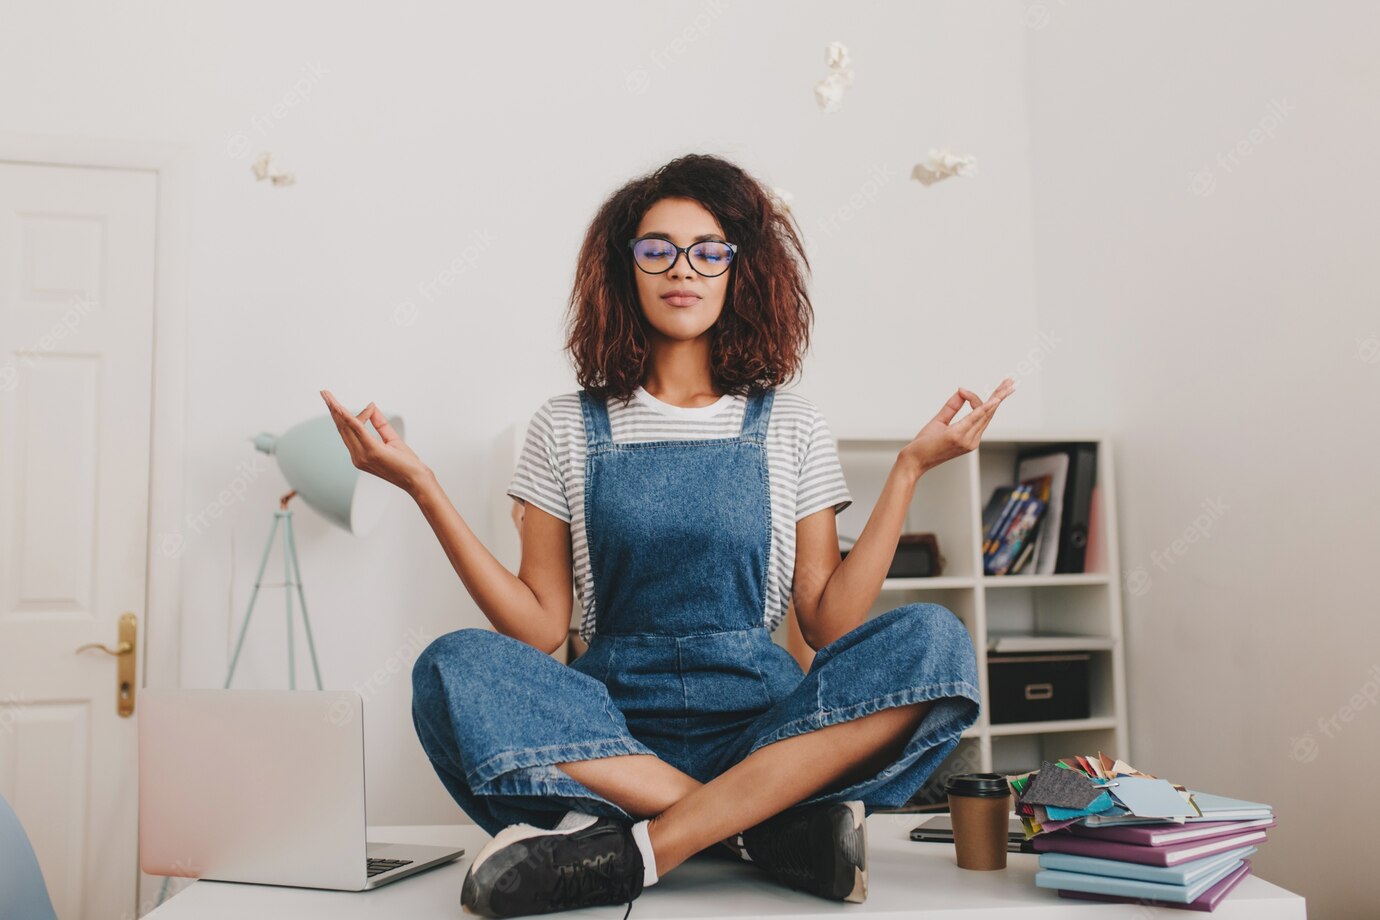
(1051, 472)
(1019, 535)
(1026, 555)
(1011, 522)
(1062, 546)
(995, 513)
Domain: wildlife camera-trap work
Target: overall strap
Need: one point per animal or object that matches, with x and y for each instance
(757, 414)
(596, 415)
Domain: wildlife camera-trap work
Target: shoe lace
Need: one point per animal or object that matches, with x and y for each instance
(784, 850)
(590, 882)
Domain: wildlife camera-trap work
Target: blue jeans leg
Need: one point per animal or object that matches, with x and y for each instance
(906, 655)
(494, 715)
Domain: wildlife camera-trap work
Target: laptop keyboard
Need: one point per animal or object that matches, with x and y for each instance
(379, 866)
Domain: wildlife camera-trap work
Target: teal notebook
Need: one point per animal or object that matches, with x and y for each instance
(1225, 808)
(1183, 874)
(1132, 888)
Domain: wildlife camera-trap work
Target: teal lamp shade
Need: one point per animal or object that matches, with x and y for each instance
(316, 463)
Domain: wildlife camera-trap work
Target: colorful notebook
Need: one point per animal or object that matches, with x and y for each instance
(1182, 874)
(1064, 842)
(1159, 835)
(1130, 887)
(1206, 901)
(1225, 808)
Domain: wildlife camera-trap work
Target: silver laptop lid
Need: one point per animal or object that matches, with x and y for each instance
(259, 786)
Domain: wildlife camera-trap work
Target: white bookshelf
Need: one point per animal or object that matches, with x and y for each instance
(1074, 612)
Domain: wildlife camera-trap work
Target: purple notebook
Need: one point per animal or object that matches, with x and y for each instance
(1064, 842)
(1159, 835)
(1208, 900)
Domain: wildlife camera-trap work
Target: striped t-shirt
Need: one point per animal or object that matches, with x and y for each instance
(803, 469)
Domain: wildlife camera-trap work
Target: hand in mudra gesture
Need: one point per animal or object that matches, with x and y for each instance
(939, 441)
(389, 459)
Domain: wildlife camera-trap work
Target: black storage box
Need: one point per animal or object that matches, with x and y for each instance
(917, 556)
(1031, 687)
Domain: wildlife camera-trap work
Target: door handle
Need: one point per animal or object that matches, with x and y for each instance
(124, 671)
(124, 649)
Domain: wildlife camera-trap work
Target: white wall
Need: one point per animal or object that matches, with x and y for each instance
(483, 137)
(1215, 294)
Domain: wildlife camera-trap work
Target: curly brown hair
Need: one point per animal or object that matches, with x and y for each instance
(763, 332)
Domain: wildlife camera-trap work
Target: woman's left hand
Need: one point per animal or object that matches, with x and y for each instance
(939, 441)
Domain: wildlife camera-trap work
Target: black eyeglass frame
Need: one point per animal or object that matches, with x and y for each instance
(732, 248)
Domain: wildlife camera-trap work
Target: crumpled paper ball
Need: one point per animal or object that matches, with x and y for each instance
(944, 164)
(829, 91)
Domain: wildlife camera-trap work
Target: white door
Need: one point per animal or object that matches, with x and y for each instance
(76, 350)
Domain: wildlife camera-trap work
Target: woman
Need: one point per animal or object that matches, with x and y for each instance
(691, 503)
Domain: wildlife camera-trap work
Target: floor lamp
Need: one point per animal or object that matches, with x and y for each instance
(317, 465)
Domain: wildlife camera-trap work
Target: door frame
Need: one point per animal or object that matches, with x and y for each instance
(160, 624)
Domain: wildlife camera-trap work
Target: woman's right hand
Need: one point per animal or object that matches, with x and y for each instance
(389, 459)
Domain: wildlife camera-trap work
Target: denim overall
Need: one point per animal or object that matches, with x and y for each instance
(681, 664)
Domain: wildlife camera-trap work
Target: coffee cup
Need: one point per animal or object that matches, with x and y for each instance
(980, 808)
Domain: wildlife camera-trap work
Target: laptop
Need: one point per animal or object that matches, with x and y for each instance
(940, 829)
(262, 786)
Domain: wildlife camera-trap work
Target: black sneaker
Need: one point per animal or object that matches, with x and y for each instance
(529, 870)
(730, 849)
(820, 848)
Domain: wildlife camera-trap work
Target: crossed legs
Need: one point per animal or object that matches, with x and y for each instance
(686, 815)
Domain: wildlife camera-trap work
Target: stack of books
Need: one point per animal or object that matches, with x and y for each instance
(1108, 832)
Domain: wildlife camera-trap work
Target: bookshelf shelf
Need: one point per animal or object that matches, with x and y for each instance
(1044, 728)
(1049, 643)
(1039, 581)
(1030, 613)
(927, 584)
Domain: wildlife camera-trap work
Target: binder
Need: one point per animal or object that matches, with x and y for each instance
(1075, 513)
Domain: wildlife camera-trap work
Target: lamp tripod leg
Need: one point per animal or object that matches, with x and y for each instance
(287, 598)
(291, 543)
(258, 580)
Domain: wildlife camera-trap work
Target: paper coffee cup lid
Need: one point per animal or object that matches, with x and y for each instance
(983, 785)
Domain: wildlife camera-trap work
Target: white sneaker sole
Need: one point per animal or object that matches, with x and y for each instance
(859, 892)
(514, 833)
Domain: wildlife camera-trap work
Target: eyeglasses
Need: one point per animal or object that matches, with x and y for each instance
(655, 255)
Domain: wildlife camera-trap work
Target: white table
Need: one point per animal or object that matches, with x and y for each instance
(906, 879)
